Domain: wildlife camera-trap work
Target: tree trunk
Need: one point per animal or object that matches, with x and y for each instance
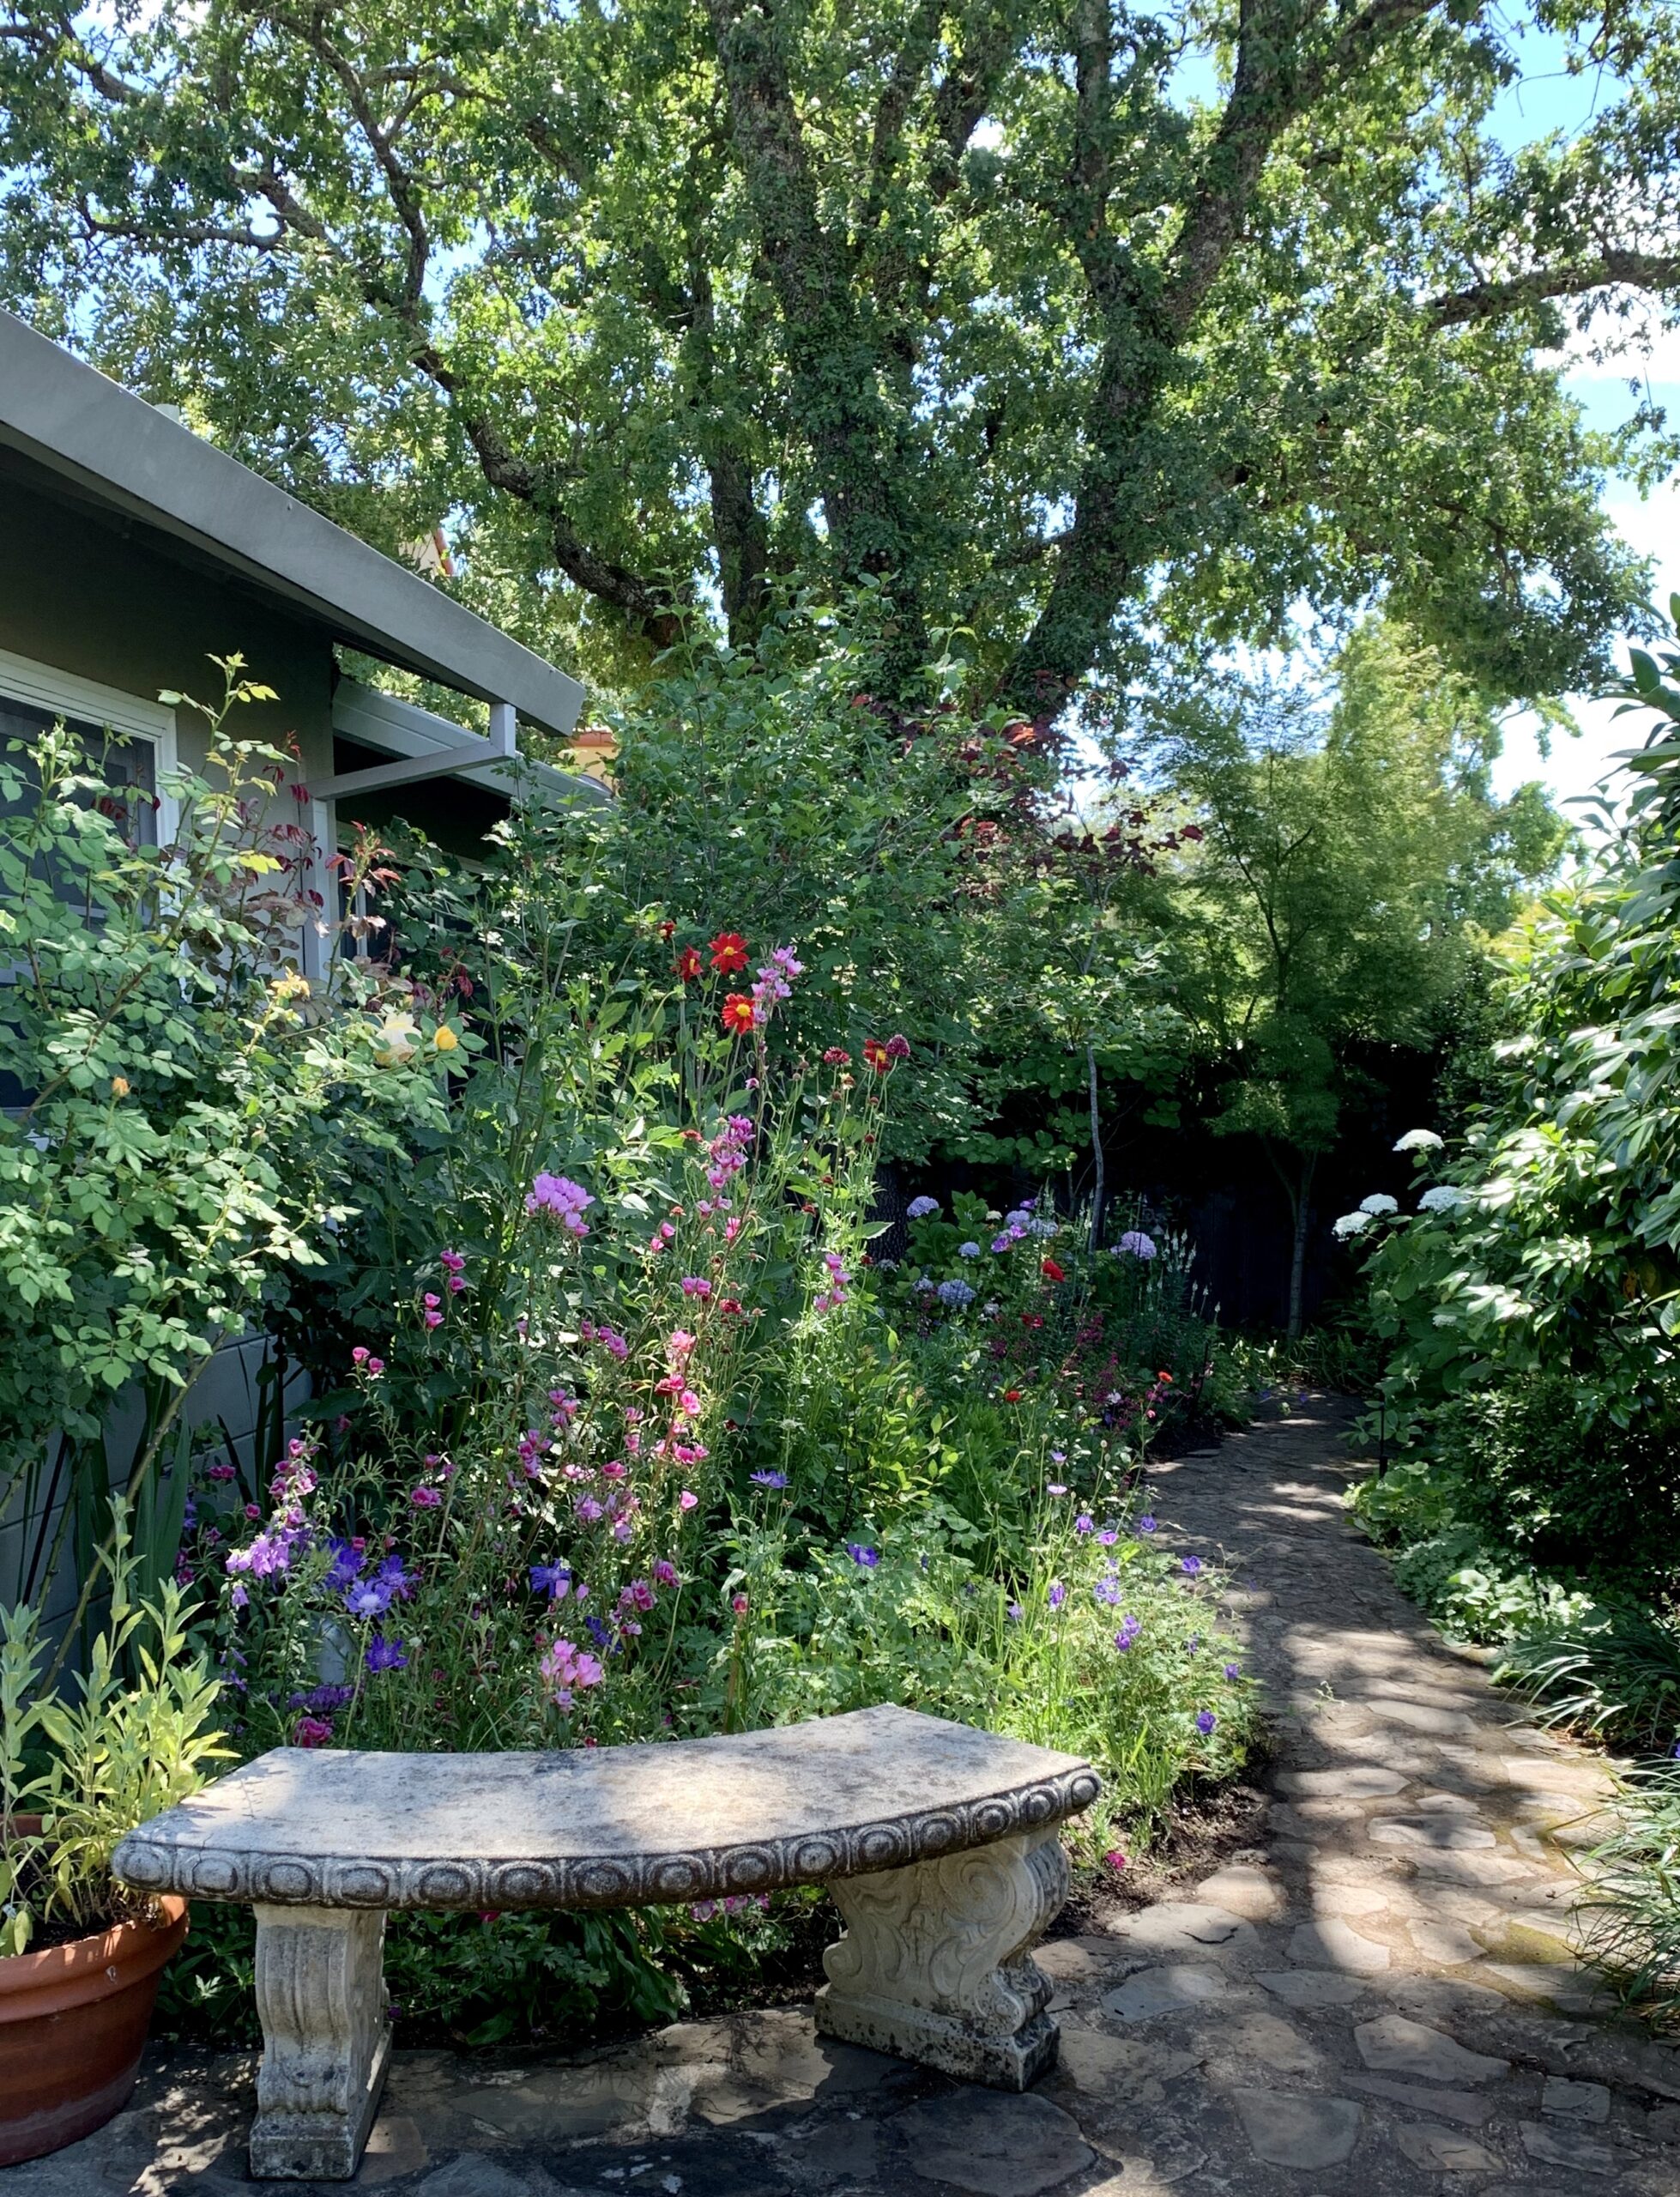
(1099, 1184)
(1300, 1210)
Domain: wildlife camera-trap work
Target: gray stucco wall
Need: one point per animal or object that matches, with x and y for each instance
(104, 602)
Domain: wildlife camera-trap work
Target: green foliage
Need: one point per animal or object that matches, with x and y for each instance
(1346, 860)
(134, 1738)
(1632, 1910)
(1089, 326)
(188, 1113)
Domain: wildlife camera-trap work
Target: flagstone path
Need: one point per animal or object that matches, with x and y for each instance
(1379, 2000)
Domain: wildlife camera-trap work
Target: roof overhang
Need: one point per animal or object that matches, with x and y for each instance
(123, 453)
(390, 726)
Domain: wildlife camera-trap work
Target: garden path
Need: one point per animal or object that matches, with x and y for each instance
(1378, 2000)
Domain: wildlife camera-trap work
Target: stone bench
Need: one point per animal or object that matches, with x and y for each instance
(939, 1845)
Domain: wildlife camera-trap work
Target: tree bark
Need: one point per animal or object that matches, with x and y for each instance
(1301, 1208)
(1097, 1170)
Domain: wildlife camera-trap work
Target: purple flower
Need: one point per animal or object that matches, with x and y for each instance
(1084, 1523)
(1139, 1245)
(553, 1580)
(1205, 1720)
(384, 1655)
(919, 1208)
(566, 1200)
(1191, 1567)
(1146, 1524)
(347, 1564)
(1107, 1590)
(1016, 1613)
(1130, 1627)
(1107, 1538)
(868, 1557)
(769, 1479)
(1058, 1594)
(1233, 1671)
(1001, 1243)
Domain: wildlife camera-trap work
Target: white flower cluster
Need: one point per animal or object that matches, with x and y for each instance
(1444, 1197)
(1351, 1223)
(1418, 1140)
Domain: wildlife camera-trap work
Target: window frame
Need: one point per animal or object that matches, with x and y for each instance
(89, 701)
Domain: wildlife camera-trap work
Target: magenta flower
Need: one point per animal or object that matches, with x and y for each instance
(425, 1498)
(311, 1731)
(687, 1500)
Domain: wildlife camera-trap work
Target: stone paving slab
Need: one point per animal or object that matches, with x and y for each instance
(1337, 2011)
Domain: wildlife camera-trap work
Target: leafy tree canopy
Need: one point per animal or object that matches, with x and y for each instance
(1350, 858)
(1089, 325)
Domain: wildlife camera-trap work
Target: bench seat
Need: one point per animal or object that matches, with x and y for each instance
(938, 1842)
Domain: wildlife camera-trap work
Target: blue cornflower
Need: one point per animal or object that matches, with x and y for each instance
(551, 1579)
(384, 1655)
(769, 1479)
(859, 1554)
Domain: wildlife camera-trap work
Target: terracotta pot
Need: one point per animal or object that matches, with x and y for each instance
(73, 2023)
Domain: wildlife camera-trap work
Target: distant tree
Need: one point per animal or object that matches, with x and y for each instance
(1352, 857)
(1087, 324)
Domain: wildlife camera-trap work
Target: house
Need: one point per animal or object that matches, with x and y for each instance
(130, 552)
(134, 550)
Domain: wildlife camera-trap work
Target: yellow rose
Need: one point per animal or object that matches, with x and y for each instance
(444, 1039)
(119, 1086)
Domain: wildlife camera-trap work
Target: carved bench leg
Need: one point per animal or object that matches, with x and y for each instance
(935, 1963)
(320, 1997)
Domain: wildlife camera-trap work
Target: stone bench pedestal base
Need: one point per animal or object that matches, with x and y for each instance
(320, 1997)
(935, 1964)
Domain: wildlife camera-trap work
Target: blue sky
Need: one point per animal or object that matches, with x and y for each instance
(1546, 99)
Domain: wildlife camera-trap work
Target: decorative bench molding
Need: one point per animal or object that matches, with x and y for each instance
(942, 1899)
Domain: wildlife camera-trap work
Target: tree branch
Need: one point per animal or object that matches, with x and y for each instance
(1480, 301)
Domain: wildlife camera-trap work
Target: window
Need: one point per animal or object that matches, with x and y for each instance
(128, 743)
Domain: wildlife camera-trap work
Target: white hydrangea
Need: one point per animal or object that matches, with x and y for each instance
(1418, 1140)
(1351, 1223)
(1444, 1197)
(1379, 1202)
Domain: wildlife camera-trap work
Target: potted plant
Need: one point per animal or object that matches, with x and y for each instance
(80, 1956)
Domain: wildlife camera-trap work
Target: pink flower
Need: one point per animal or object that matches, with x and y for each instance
(565, 1668)
(689, 1404)
(687, 1501)
(425, 1498)
(358, 1355)
(311, 1731)
(376, 1366)
(681, 1344)
(696, 1285)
